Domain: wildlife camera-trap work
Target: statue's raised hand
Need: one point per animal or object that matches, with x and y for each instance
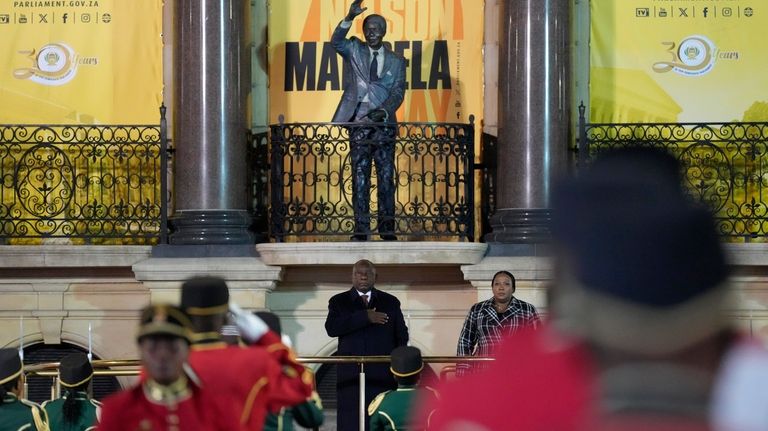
(355, 9)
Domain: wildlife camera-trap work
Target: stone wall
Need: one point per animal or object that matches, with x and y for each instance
(59, 290)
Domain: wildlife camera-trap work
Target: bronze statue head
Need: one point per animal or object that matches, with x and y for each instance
(374, 29)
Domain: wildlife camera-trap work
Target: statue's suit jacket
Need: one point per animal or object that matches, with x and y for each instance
(386, 93)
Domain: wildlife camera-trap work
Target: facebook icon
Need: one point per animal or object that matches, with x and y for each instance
(65, 17)
(706, 11)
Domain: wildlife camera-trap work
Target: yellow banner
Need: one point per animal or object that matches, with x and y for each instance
(441, 39)
(81, 61)
(678, 61)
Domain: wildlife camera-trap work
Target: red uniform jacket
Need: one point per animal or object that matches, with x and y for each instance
(255, 379)
(540, 381)
(131, 410)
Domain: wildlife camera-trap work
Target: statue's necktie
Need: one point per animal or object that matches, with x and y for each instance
(374, 74)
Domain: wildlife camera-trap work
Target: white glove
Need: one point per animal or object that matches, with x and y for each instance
(287, 341)
(251, 327)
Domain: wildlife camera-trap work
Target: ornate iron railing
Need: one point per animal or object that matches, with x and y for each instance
(725, 165)
(488, 168)
(89, 183)
(258, 180)
(311, 180)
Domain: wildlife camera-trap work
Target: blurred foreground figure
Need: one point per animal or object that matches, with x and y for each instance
(170, 396)
(638, 339)
(260, 377)
(75, 410)
(308, 414)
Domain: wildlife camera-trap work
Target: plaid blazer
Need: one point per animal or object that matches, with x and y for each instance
(484, 328)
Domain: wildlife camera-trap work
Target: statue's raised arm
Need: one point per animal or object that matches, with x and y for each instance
(355, 9)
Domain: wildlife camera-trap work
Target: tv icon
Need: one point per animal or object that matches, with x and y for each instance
(642, 12)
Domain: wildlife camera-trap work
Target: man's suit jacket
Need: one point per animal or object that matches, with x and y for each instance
(348, 320)
(385, 93)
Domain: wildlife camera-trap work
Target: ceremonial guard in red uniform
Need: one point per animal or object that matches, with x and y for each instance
(258, 378)
(170, 396)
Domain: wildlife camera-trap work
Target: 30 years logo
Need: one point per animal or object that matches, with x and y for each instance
(693, 56)
(54, 64)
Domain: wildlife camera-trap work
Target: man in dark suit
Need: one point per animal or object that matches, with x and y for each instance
(374, 91)
(367, 322)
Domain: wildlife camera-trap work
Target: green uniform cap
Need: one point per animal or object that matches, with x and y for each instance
(75, 370)
(10, 365)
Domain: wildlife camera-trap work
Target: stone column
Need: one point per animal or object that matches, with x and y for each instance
(212, 79)
(534, 100)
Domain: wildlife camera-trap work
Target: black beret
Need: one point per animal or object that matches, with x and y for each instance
(164, 319)
(74, 370)
(632, 233)
(406, 361)
(10, 365)
(203, 296)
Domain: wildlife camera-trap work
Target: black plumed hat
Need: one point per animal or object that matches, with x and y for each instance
(204, 296)
(633, 232)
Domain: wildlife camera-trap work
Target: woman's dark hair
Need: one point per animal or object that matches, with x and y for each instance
(8, 387)
(508, 274)
(73, 408)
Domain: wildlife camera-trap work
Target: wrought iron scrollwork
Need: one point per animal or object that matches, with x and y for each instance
(725, 165)
(100, 184)
(311, 180)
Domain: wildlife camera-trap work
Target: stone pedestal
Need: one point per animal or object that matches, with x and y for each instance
(248, 278)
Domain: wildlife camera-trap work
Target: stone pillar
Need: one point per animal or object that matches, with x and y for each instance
(212, 79)
(534, 100)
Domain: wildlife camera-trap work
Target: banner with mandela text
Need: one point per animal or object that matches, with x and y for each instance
(678, 61)
(80, 61)
(441, 39)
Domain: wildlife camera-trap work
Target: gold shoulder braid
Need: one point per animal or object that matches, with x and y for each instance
(167, 394)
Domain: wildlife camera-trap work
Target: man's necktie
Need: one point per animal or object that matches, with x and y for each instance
(374, 73)
(365, 300)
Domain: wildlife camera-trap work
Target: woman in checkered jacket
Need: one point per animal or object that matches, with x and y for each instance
(489, 321)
